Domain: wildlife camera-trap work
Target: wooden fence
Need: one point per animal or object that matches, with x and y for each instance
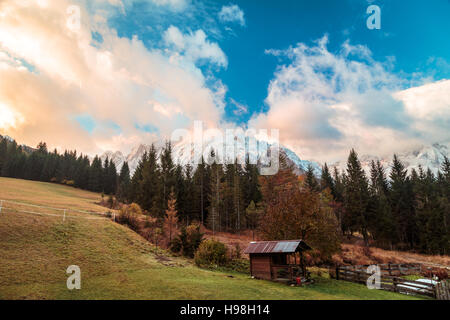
(443, 290)
(391, 282)
(390, 269)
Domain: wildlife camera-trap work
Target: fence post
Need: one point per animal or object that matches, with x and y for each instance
(337, 273)
(64, 217)
(394, 281)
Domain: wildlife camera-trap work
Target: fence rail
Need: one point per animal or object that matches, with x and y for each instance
(443, 290)
(359, 274)
(17, 207)
(391, 269)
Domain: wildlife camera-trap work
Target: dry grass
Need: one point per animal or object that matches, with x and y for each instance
(231, 240)
(48, 194)
(352, 253)
(386, 256)
(117, 263)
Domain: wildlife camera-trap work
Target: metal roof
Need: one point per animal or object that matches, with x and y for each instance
(284, 246)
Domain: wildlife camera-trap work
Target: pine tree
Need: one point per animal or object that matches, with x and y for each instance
(251, 186)
(106, 188)
(238, 197)
(191, 203)
(167, 172)
(252, 214)
(326, 181)
(356, 197)
(95, 175)
(202, 179)
(311, 181)
(149, 194)
(215, 196)
(124, 188)
(3, 153)
(135, 192)
(380, 220)
(402, 201)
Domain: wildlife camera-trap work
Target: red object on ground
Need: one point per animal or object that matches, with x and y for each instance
(299, 281)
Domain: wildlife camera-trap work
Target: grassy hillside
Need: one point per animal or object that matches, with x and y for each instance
(115, 262)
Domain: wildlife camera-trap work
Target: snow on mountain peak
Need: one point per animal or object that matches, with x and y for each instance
(183, 154)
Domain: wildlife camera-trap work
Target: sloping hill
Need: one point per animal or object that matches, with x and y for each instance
(115, 262)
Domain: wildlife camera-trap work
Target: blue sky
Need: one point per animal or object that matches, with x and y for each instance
(134, 71)
(415, 34)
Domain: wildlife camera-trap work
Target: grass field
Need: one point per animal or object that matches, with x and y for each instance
(115, 262)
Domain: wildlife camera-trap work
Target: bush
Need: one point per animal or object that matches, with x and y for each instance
(238, 265)
(211, 253)
(130, 216)
(188, 241)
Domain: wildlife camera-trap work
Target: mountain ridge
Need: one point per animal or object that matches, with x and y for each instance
(430, 156)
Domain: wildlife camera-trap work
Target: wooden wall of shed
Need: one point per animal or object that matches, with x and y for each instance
(260, 266)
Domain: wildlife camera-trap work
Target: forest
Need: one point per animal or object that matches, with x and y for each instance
(397, 210)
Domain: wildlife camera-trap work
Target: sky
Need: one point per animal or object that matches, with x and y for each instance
(110, 74)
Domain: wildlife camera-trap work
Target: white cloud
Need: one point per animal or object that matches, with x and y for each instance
(112, 82)
(232, 13)
(326, 103)
(240, 108)
(195, 46)
(429, 106)
(176, 5)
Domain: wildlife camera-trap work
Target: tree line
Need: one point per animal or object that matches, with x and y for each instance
(399, 210)
(215, 195)
(67, 168)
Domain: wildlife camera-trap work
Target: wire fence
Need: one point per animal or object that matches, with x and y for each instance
(40, 210)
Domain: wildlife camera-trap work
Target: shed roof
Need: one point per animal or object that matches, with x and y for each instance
(283, 246)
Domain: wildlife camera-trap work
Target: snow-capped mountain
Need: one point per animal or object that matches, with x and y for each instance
(8, 138)
(426, 156)
(117, 157)
(302, 165)
(184, 153)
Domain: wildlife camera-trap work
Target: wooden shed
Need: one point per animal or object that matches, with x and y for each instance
(277, 260)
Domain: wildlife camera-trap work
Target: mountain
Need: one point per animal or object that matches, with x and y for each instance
(25, 148)
(426, 156)
(183, 154)
(430, 156)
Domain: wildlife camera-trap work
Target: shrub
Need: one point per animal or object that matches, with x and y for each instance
(441, 274)
(237, 252)
(70, 183)
(111, 202)
(238, 265)
(188, 241)
(211, 253)
(130, 215)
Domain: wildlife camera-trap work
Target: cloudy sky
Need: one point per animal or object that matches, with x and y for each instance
(109, 74)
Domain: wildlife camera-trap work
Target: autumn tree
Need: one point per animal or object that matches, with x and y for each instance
(292, 212)
(171, 219)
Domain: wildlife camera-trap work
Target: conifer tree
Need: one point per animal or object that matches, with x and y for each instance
(167, 172)
(150, 187)
(3, 153)
(326, 181)
(202, 180)
(311, 181)
(402, 201)
(356, 197)
(124, 187)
